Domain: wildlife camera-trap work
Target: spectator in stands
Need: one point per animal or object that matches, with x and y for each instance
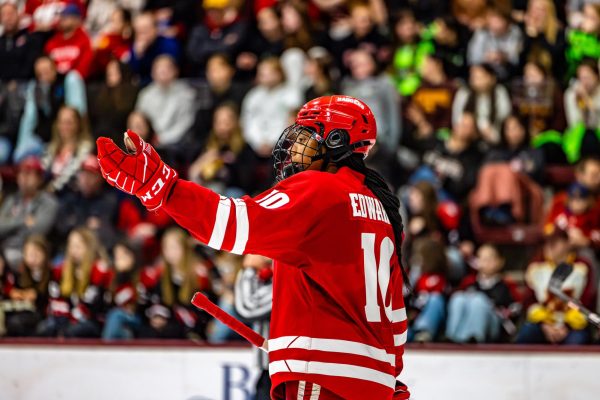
(44, 15)
(148, 45)
(44, 97)
(222, 31)
(18, 47)
(549, 319)
(219, 87)
(364, 35)
(178, 275)
(169, 104)
(450, 42)
(263, 125)
(123, 320)
(70, 47)
(583, 40)
(138, 122)
(100, 17)
(253, 299)
(422, 209)
(578, 216)
(78, 290)
(470, 13)
(429, 302)
(320, 74)
(482, 303)
(506, 185)
(430, 108)
(497, 43)
(266, 41)
(544, 39)
(582, 98)
(6, 282)
(488, 100)
(11, 108)
(114, 41)
(378, 92)
(587, 172)
(538, 100)
(70, 145)
(226, 164)
(587, 176)
(296, 25)
(90, 204)
(29, 293)
(114, 100)
(408, 53)
(30, 210)
(452, 165)
(226, 267)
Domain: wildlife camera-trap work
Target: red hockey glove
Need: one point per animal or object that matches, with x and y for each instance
(140, 172)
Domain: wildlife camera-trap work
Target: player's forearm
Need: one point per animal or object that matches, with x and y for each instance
(193, 207)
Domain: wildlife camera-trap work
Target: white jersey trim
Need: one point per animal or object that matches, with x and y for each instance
(242, 227)
(301, 388)
(220, 228)
(332, 369)
(399, 315)
(400, 339)
(332, 345)
(316, 392)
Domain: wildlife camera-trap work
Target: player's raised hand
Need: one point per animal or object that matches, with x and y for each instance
(139, 171)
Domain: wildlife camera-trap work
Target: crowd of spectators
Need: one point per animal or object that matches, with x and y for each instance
(488, 115)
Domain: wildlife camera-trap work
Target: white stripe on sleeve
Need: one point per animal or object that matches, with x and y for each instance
(400, 339)
(218, 233)
(242, 227)
(399, 315)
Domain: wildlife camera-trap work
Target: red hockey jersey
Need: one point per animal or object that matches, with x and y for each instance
(338, 316)
(71, 53)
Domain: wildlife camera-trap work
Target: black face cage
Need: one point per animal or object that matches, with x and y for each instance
(337, 144)
(285, 151)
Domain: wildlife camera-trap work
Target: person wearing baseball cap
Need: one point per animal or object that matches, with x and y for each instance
(29, 210)
(578, 216)
(70, 34)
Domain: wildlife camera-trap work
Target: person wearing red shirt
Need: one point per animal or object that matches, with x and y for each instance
(43, 15)
(334, 231)
(70, 46)
(115, 41)
(77, 288)
(578, 215)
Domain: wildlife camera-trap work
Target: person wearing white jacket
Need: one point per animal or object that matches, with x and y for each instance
(167, 102)
(267, 107)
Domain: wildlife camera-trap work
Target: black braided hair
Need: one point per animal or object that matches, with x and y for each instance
(375, 182)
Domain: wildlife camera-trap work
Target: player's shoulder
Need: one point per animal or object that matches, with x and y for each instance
(324, 180)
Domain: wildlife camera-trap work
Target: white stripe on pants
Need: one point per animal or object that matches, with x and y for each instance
(314, 393)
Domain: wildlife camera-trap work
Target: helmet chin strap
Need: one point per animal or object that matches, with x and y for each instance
(337, 154)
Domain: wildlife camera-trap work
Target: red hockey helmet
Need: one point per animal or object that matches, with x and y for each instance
(342, 124)
(329, 114)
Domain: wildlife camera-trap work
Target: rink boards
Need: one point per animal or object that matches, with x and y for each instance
(91, 371)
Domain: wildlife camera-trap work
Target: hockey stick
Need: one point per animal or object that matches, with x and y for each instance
(562, 271)
(202, 302)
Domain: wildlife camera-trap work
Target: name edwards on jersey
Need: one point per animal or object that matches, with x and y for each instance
(367, 207)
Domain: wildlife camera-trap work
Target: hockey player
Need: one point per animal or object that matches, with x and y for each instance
(338, 324)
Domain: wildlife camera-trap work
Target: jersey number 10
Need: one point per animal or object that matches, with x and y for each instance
(375, 276)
